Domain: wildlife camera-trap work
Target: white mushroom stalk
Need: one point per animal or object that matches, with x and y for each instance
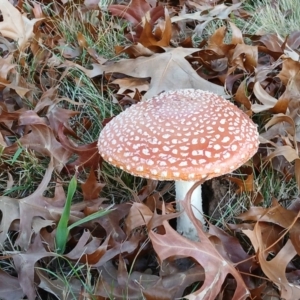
(184, 224)
(184, 135)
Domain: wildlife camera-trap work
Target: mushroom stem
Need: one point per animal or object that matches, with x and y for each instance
(184, 224)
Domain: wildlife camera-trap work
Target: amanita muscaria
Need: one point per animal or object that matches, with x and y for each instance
(182, 135)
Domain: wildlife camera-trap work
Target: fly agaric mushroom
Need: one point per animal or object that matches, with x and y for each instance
(182, 135)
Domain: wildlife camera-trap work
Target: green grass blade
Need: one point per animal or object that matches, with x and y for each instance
(16, 155)
(62, 230)
(91, 217)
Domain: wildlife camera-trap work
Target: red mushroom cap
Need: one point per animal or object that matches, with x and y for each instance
(180, 135)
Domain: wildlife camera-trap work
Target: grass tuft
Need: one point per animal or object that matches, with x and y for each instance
(280, 17)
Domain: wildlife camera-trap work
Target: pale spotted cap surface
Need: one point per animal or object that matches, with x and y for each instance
(180, 135)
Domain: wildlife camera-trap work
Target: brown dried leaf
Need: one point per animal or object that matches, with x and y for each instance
(87, 155)
(216, 267)
(288, 152)
(160, 37)
(237, 35)
(136, 50)
(241, 96)
(131, 84)
(280, 119)
(290, 70)
(126, 286)
(245, 57)
(220, 11)
(93, 249)
(58, 116)
(25, 262)
(116, 248)
(244, 185)
(233, 250)
(10, 212)
(168, 71)
(42, 139)
(81, 40)
(139, 215)
(10, 288)
(278, 215)
(5, 67)
(15, 25)
(26, 210)
(268, 102)
(111, 222)
(91, 188)
(34, 206)
(134, 12)
(216, 42)
(275, 214)
(275, 269)
(58, 287)
(204, 252)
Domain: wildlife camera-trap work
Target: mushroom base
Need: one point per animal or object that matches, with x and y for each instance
(184, 225)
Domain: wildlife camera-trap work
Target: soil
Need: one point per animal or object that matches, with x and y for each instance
(214, 193)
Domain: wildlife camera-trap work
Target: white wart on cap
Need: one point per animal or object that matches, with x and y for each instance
(180, 135)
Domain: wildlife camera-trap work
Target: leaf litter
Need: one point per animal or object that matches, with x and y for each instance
(134, 252)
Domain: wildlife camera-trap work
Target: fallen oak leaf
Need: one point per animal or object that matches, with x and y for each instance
(93, 249)
(111, 222)
(32, 206)
(275, 269)
(168, 71)
(10, 288)
(15, 25)
(88, 155)
(58, 115)
(245, 184)
(167, 286)
(3, 143)
(131, 84)
(25, 263)
(290, 70)
(276, 106)
(216, 267)
(241, 96)
(6, 66)
(137, 49)
(174, 280)
(245, 57)
(139, 215)
(160, 37)
(134, 12)
(58, 286)
(268, 102)
(91, 188)
(98, 251)
(234, 250)
(126, 286)
(279, 125)
(10, 212)
(115, 248)
(287, 151)
(220, 11)
(276, 214)
(30, 117)
(19, 90)
(42, 139)
(7, 117)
